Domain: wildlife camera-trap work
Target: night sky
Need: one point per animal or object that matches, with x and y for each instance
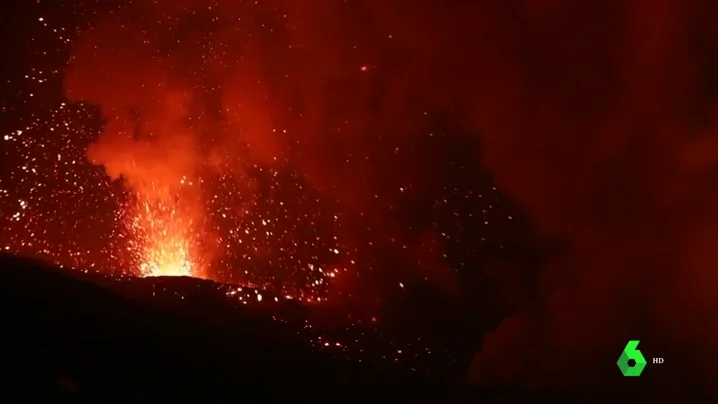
(543, 165)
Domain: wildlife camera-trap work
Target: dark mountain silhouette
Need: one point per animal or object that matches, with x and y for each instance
(95, 339)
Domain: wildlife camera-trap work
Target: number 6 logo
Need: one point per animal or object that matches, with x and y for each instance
(631, 353)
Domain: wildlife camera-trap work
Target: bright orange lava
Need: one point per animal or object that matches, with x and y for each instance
(165, 239)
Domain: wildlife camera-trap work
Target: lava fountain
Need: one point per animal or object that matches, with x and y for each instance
(164, 232)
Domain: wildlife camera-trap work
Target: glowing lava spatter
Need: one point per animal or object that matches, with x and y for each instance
(164, 237)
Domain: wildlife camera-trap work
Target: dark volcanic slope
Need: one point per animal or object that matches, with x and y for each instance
(62, 328)
(67, 336)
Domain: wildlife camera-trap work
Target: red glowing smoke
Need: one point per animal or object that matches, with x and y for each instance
(597, 118)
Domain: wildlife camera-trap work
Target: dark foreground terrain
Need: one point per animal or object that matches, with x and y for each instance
(67, 337)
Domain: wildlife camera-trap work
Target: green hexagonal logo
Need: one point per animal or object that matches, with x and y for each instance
(630, 352)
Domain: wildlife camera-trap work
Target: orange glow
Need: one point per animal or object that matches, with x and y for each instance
(164, 236)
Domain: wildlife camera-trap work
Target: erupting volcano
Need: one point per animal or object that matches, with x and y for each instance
(522, 160)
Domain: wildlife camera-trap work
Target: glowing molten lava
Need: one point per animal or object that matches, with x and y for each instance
(164, 238)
